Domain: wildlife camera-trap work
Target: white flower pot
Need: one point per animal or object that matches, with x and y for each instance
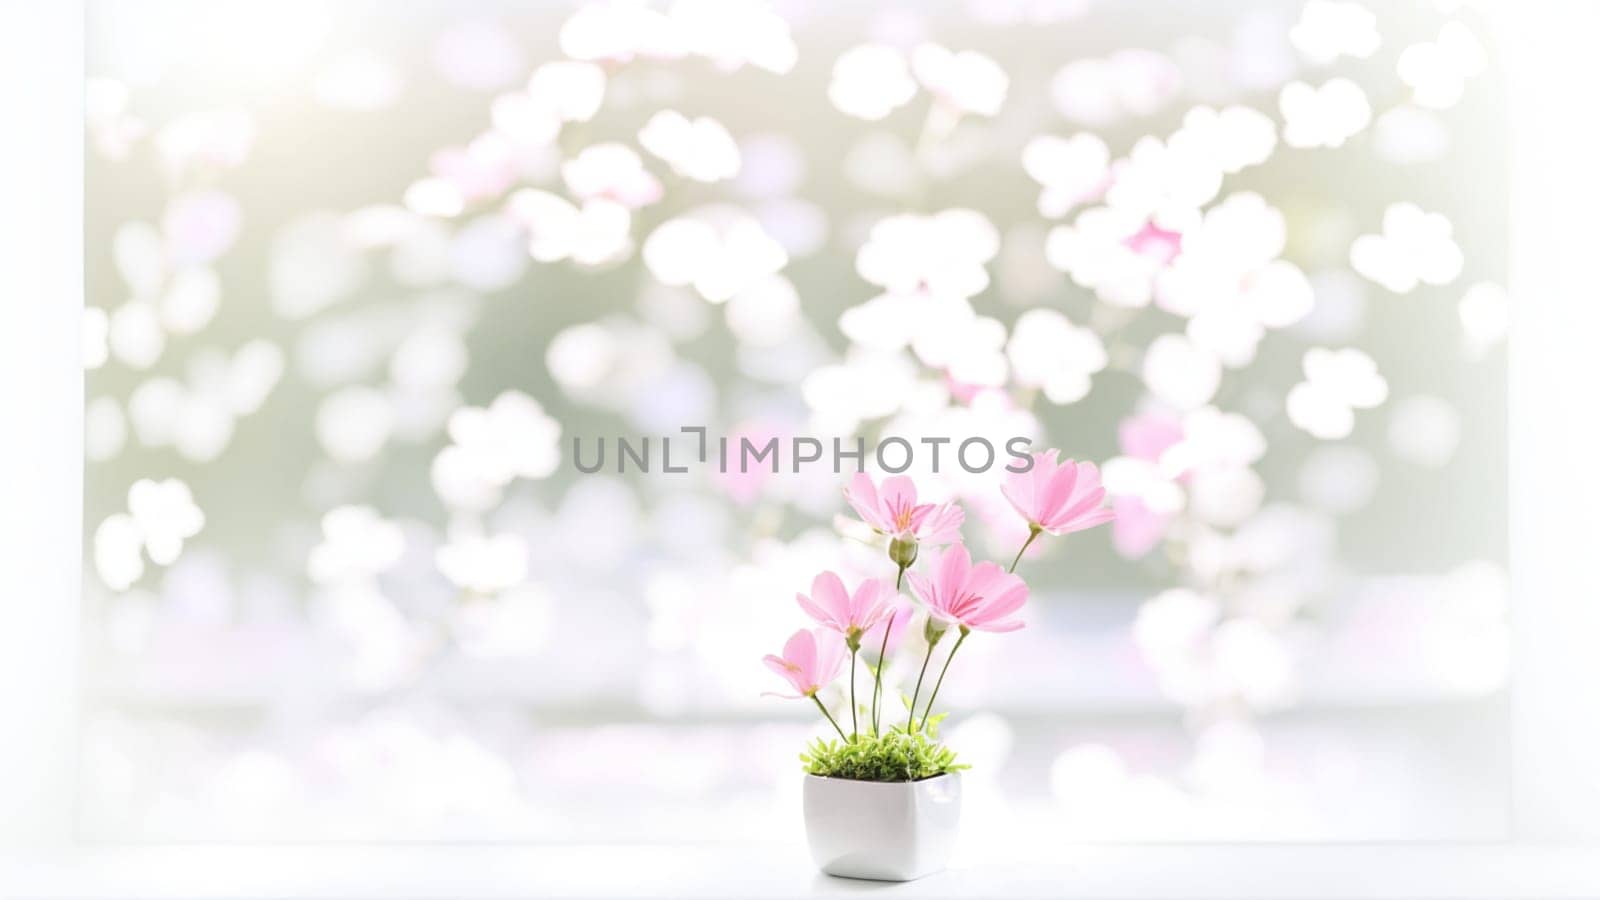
(887, 831)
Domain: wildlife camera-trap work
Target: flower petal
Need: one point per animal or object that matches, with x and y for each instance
(1058, 492)
(814, 611)
(1019, 491)
(830, 654)
(943, 525)
(801, 650)
(999, 627)
(862, 496)
(827, 591)
(952, 569)
(1007, 602)
(923, 588)
(869, 604)
(1081, 506)
(986, 579)
(897, 503)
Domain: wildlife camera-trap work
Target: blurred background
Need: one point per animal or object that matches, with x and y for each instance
(357, 280)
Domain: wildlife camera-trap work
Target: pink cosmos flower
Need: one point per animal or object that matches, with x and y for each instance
(810, 660)
(977, 597)
(833, 607)
(893, 510)
(1058, 497)
(897, 620)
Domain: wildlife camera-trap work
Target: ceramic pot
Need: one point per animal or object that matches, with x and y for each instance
(882, 830)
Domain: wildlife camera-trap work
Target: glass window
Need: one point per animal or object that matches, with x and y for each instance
(357, 283)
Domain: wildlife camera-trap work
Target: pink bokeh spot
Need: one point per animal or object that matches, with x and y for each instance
(962, 392)
(1148, 435)
(1136, 530)
(484, 168)
(1155, 243)
(201, 226)
(744, 483)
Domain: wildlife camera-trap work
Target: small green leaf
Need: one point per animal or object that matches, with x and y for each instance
(895, 756)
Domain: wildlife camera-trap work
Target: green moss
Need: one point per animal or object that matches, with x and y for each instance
(895, 756)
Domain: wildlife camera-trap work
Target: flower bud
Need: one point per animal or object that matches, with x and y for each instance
(903, 552)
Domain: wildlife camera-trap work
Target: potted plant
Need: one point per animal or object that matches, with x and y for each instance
(883, 800)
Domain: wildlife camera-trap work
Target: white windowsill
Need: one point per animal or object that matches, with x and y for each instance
(504, 871)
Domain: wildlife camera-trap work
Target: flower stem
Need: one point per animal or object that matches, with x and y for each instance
(1033, 532)
(899, 577)
(829, 718)
(911, 715)
(928, 710)
(854, 729)
(877, 673)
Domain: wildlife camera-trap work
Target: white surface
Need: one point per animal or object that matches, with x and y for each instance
(465, 873)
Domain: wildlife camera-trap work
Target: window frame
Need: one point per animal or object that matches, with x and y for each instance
(1555, 814)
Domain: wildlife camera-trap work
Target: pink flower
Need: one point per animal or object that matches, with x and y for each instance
(893, 510)
(974, 597)
(897, 620)
(810, 660)
(833, 607)
(1058, 497)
